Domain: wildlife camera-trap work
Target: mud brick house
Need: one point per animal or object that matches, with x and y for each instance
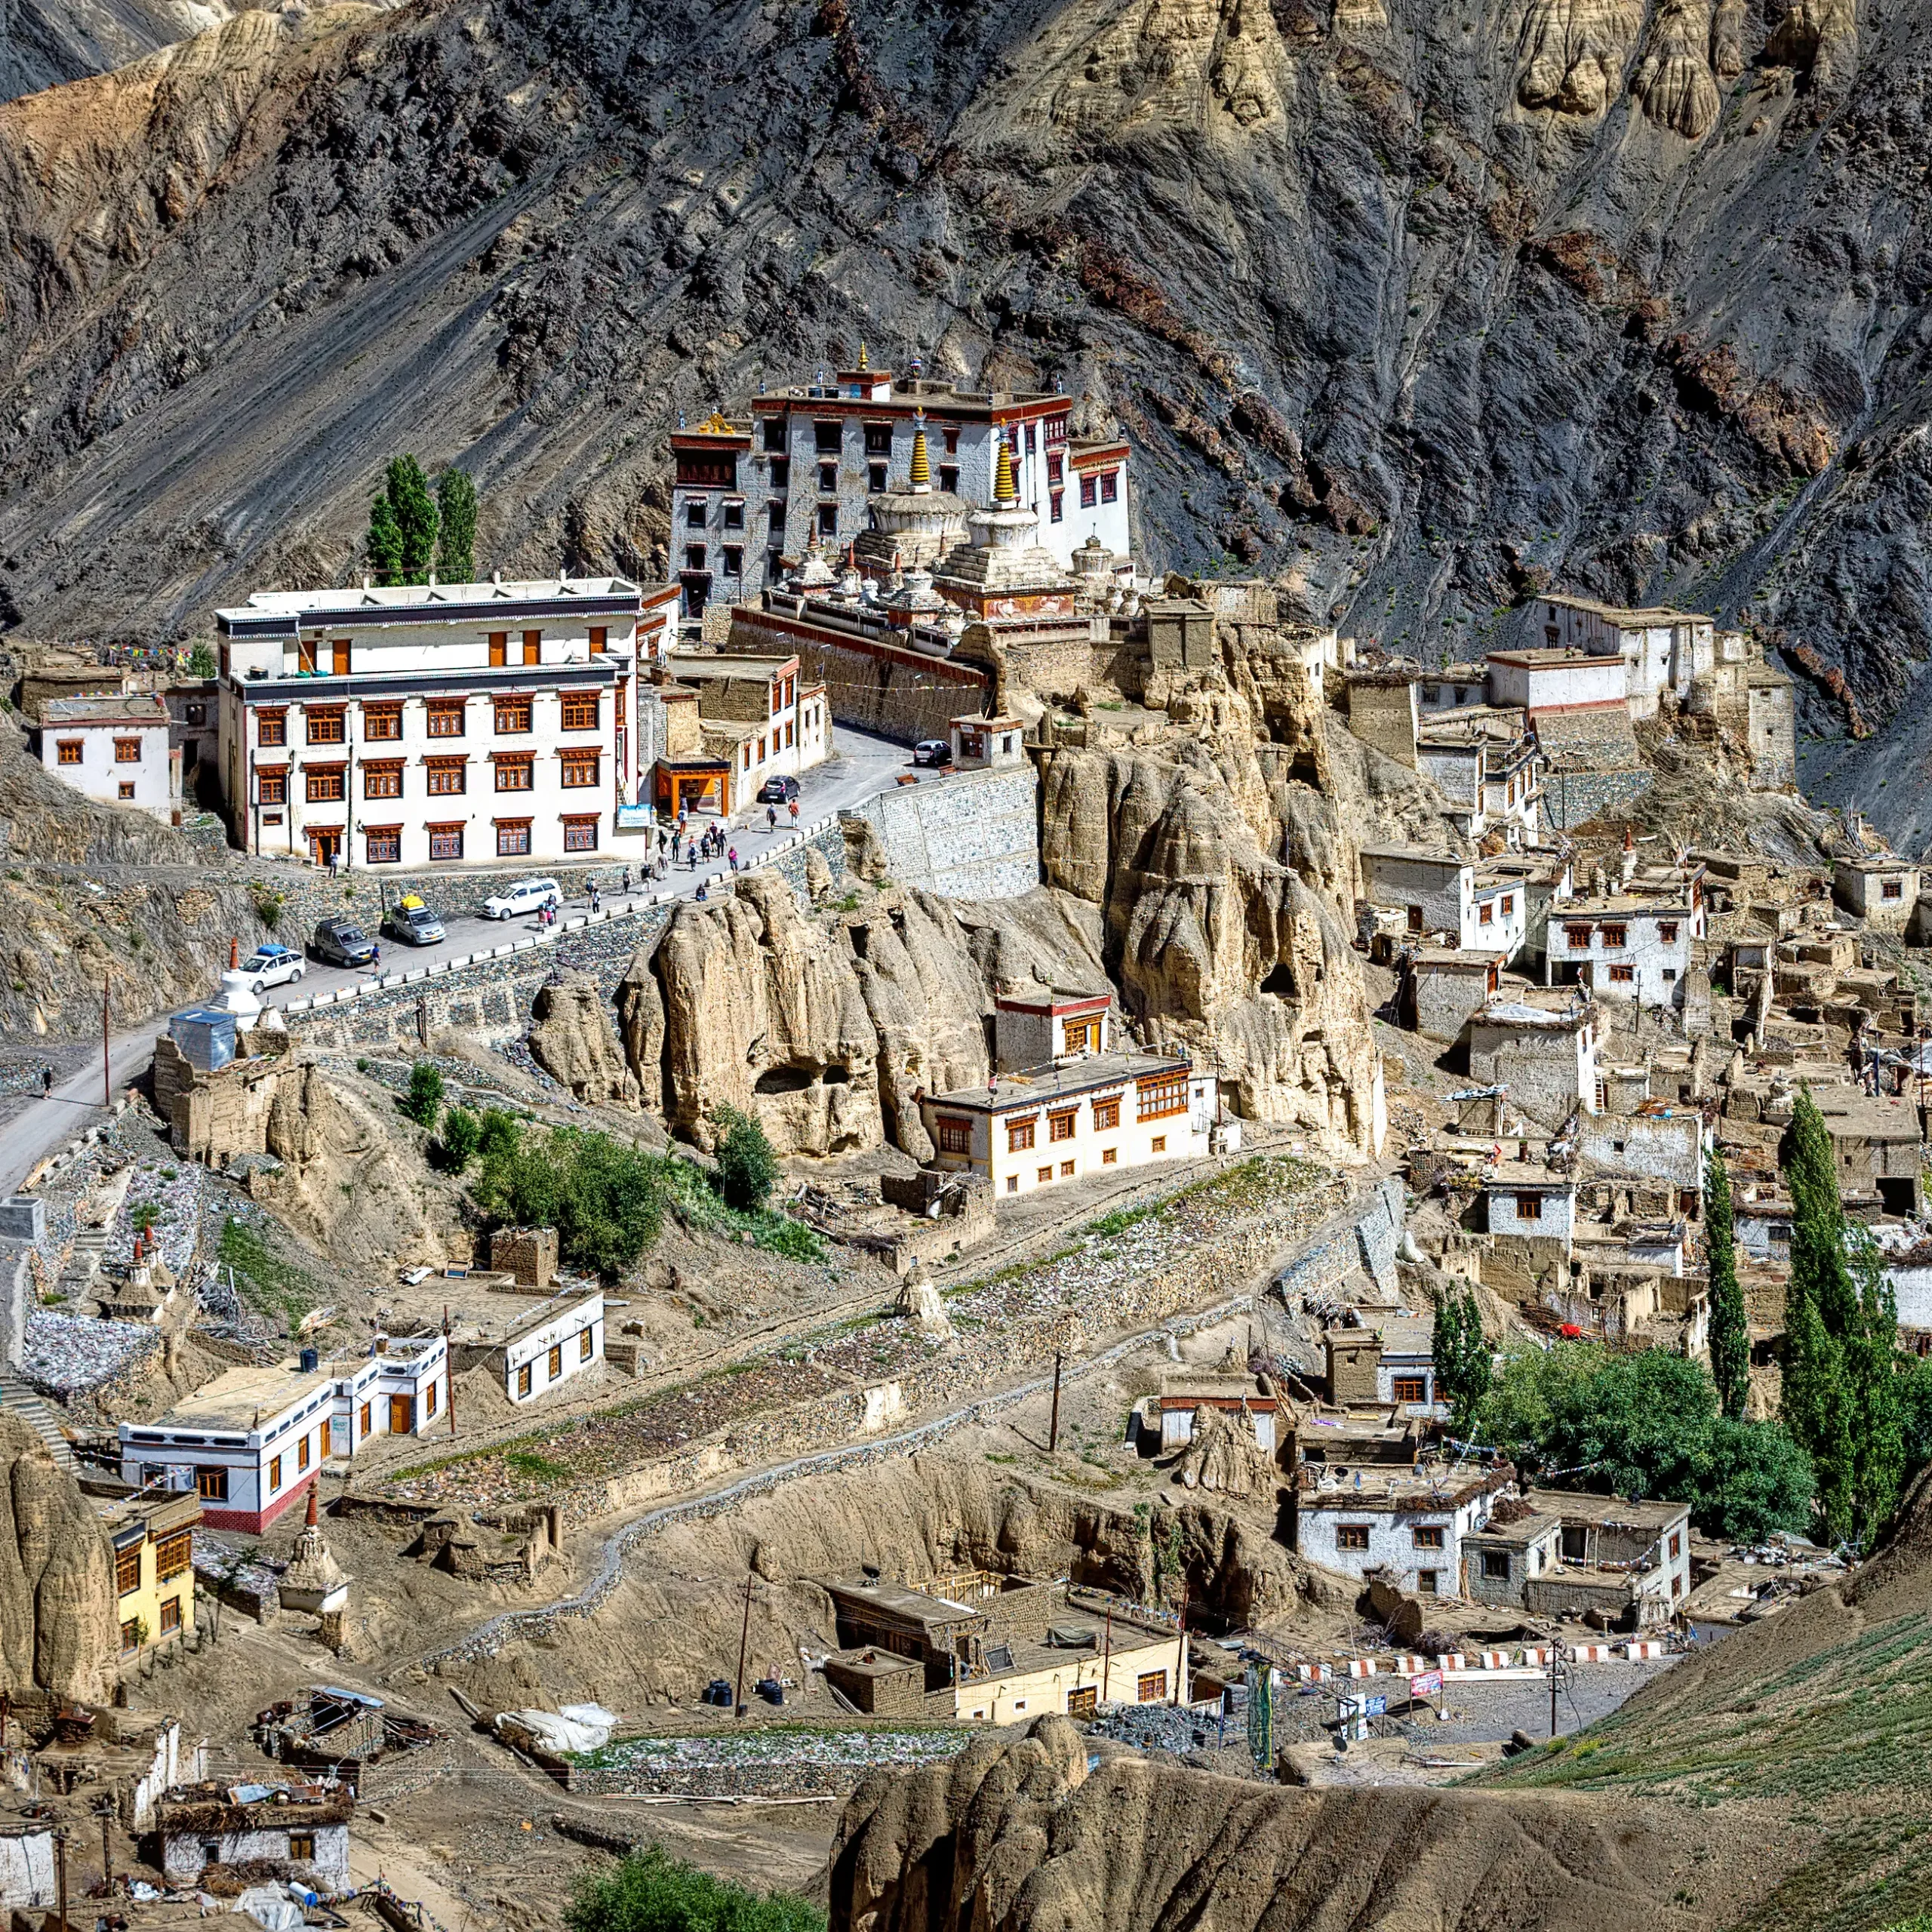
(1407, 1524)
(301, 1831)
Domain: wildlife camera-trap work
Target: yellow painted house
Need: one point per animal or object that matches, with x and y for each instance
(152, 1540)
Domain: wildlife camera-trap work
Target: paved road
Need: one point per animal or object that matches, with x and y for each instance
(864, 764)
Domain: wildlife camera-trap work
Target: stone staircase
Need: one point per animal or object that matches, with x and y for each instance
(16, 1399)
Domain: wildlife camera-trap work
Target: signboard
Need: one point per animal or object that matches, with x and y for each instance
(1375, 1707)
(1425, 1684)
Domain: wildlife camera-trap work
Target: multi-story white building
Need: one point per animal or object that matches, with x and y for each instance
(1659, 650)
(254, 1439)
(1483, 908)
(1488, 769)
(432, 724)
(1061, 1122)
(115, 749)
(802, 467)
(1635, 944)
(746, 719)
(1409, 1525)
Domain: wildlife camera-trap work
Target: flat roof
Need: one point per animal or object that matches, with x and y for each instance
(1411, 854)
(1525, 1174)
(1042, 1084)
(1576, 1505)
(393, 601)
(242, 1398)
(1519, 1012)
(1547, 657)
(1655, 613)
(143, 708)
(897, 1600)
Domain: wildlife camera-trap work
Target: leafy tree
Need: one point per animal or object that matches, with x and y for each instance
(652, 1892)
(456, 536)
(202, 661)
(1465, 1364)
(408, 490)
(1914, 1405)
(385, 543)
(1519, 1412)
(498, 1135)
(1755, 1479)
(1730, 1338)
(604, 1199)
(747, 1165)
(462, 1134)
(424, 1100)
(1871, 1352)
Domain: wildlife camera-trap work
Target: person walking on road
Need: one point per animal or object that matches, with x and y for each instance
(733, 856)
(795, 811)
(771, 818)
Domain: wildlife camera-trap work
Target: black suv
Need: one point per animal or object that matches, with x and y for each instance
(342, 943)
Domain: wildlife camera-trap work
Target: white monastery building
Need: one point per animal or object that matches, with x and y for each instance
(459, 724)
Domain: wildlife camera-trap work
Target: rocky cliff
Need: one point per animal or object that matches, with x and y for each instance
(1420, 307)
(57, 1632)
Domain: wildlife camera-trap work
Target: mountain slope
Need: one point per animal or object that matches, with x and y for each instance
(1422, 305)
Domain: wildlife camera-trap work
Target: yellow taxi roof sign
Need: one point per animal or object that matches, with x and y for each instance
(410, 904)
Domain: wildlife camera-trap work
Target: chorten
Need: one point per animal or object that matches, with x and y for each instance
(314, 1581)
(1004, 571)
(912, 526)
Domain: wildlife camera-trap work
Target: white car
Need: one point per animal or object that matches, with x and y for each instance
(527, 895)
(271, 966)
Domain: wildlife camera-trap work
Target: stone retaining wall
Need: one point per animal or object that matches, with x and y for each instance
(1570, 798)
(974, 836)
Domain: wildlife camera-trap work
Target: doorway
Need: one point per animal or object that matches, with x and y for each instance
(402, 1415)
(325, 845)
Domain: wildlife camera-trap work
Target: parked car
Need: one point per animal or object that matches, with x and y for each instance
(527, 895)
(932, 751)
(411, 922)
(778, 791)
(342, 943)
(273, 966)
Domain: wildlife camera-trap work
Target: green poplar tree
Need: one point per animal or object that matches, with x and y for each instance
(1842, 1397)
(1465, 1366)
(456, 537)
(415, 510)
(1730, 1338)
(385, 545)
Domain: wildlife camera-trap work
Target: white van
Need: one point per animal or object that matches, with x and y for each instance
(527, 895)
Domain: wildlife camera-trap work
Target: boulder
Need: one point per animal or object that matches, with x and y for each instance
(573, 1039)
(57, 1628)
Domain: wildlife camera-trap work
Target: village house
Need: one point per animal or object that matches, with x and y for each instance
(1529, 1201)
(1630, 1561)
(1545, 1053)
(153, 1538)
(1185, 1393)
(1441, 986)
(1882, 888)
(802, 467)
(300, 1830)
(250, 1443)
(1634, 944)
(1658, 650)
(1407, 1524)
(1383, 1361)
(1481, 908)
(757, 717)
(114, 750)
(431, 723)
(539, 1349)
(1488, 769)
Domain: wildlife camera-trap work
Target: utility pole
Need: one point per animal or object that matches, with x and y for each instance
(1555, 1652)
(60, 1872)
(1107, 1655)
(1052, 1428)
(107, 1846)
(107, 1078)
(744, 1640)
(449, 1367)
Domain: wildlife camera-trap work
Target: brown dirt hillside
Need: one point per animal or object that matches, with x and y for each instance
(1020, 1837)
(1819, 1720)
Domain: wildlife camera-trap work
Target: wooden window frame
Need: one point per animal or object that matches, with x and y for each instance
(173, 1555)
(1623, 976)
(271, 728)
(553, 1363)
(383, 779)
(389, 837)
(513, 829)
(325, 784)
(1151, 1687)
(1529, 1207)
(1616, 937)
(127, 1571)
(1020, 1135)
(586, 1342)
(1352, 1536)
(445, 717)
(523, 1378)
(515, 772)
(499, 649)
(437, 770)
(1062, 1126)
(580, 833)
(1496, 1566)
(211, 1481)
(327, 725)
(170, 1615)
(533, 647)
(1427, 1536)
(515, 716)
(69, 751)
(127, 751)
(1158, 1098)
(580, 711)
(1410, 1388)
(275, 1474)
(1106, 1114)
(382, 724)
(956, 1135)
(444, 834)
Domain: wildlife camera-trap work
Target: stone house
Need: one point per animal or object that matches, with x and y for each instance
(1481, 908)
(1635, 944)
(1544, 1052)
(114, 750)
(1407, 1524)
(1383, 711)
(1882, 888)
(1629, 1561)
(1441, 986)
(302, 1831)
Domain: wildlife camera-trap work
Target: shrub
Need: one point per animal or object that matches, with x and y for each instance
(605, 1199)
(747, 1167)
(463, 1133)
(500, 1136)
(652, 1892)
(424, 1100)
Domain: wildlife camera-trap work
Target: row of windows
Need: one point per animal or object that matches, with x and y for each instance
(443, 717)
(1060, 1125)
(1616, 937)
(341, 653)
(383, 842)
(1355, 1536)
(444, 778)
(69, 751)
(1109, 1157)
(554, 1364)
(1486, 911)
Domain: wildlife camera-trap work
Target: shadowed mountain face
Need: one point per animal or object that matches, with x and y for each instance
(1422, 303)
(43, 42)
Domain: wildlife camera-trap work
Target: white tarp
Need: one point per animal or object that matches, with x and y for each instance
(576, 1727)
(274, 1911)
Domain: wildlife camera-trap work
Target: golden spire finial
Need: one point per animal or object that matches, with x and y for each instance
(921, 476)
(862, 363)
(1006, 490)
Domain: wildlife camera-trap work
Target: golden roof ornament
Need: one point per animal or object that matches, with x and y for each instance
(715, 425)
(1006, 490)
(862, 363)
(921, 475)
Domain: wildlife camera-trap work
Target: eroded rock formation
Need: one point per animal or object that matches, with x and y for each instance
(57, 1629)
(573, 1040)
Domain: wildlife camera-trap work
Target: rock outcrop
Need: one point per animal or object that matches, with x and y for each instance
(573, 1040)
(1019, 1835)
(57, 1629)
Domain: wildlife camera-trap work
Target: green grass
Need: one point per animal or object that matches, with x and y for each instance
(266, 1283)
(539, 1468)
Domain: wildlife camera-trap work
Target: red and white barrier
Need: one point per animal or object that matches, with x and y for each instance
(1591, 1653)
(1641, 1653)
(1452, 1660)
(1498, 1659)
(1537, 1659)
(1361, 1666)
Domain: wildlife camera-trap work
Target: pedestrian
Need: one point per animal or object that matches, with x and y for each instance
(47, 1080)
(375, 959)
(596, 903)
(771, 818)
(627, 881)
(734, 858)
(702, 894)
(795, 811)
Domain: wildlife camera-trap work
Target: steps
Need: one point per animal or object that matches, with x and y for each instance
(16, 1399)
